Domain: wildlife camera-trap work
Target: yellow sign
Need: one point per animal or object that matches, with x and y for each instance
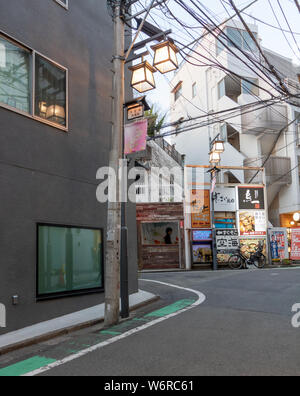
(200, 204)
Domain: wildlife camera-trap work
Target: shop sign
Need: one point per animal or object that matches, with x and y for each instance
(252, 223)
(225, 200)
(295, 246)
(135, 137)
(279, 243)
(203, 235)
(251, 198)
(200, 208)
(227, 241)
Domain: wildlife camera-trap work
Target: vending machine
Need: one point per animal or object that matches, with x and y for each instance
(202, 248)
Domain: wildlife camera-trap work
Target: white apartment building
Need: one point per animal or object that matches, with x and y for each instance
(249, 136)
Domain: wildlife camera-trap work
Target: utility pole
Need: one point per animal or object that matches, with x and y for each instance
(112, 267)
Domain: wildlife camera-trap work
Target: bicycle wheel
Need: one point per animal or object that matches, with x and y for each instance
(236, 262)
(260, 262)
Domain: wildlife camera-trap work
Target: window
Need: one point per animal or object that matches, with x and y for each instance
(178, 92)
(50, 91)
(21, 69)
(250, 87)
(15, 76)
(221, 89)
(241, 39)
(194, 90)
(70, 260)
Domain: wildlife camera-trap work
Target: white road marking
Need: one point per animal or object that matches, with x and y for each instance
(201, 299)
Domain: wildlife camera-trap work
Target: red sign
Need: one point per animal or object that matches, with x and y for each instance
(295, 248)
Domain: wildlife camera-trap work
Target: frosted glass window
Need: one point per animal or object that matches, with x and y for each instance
(69, 260)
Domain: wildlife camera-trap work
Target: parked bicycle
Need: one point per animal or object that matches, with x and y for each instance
(239, 260)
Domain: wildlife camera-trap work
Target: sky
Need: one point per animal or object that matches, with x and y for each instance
(271, 38)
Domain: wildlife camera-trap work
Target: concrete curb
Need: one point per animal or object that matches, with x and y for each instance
(65, 324)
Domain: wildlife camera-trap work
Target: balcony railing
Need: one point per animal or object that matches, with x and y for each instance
(272, 119)
(294, 88)
(277, 170)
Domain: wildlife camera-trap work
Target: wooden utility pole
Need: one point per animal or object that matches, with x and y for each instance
(112, 266)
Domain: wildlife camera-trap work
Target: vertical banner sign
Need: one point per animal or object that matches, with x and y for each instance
(295, 248)
(200, 207)
(279, 243)
(135, 137)
(251, 198)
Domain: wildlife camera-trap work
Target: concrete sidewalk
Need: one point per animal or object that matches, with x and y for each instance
(65, 324)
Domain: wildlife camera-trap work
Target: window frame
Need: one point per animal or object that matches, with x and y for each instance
(31, 115)
(72, 293)
(62, 4)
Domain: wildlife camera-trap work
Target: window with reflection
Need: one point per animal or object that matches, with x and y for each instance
(50, 91)
(15, 76)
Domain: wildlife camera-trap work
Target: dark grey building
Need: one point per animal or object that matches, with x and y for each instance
(55, 109)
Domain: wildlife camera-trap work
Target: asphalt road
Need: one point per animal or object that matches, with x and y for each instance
(243, 328)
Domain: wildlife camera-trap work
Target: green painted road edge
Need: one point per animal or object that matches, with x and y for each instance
(36, 362)
(21, 368)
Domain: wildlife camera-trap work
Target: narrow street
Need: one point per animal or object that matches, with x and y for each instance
(242, 328)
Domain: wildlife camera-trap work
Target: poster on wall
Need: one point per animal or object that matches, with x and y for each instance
(250, 246)
(295, 245)
(251, 198)
(202, 254)
(135, 137)
(252, 223)
(160, 234)
(200, 207)
(225, 200)
(279, 247)
(203, 235)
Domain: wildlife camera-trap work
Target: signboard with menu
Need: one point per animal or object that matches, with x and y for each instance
(295, 246)
(227, 241)
(252, 223)
(251, 198)
(200, 208)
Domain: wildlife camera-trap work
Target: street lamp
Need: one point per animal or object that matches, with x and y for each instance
(214, 158)
(142, 77)
(218, 147)
(165, 57)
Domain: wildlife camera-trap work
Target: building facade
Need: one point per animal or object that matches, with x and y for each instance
(55, 122)
(251, 137)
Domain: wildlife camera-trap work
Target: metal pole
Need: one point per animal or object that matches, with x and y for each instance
(215, 258)
(112, 272)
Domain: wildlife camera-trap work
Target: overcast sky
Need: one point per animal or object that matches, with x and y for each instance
(271, 38)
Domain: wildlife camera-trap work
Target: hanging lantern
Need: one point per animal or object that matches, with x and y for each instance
(142, 77)
(219, 147)
(56, 113)
(214, 158)
(165, 57)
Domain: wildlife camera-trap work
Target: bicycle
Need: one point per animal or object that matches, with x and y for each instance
(239, 260)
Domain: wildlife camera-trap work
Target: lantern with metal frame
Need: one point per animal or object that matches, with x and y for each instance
(142, 77)
(218, 147)
(214, 158)
(165, 57)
